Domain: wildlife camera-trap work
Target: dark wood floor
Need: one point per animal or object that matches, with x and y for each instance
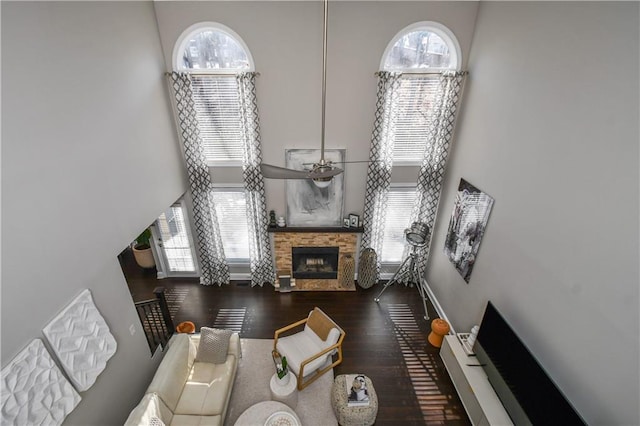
(387, 341)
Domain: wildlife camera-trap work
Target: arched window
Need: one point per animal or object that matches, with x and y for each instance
(418, 51)
(211, 47)
(214, 54)
(422, 46)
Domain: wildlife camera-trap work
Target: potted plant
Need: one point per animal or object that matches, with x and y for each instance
(142, 250)
(282, 371)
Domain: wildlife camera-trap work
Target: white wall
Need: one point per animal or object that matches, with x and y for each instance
(89, 159)
(549, 128)
(285, 39)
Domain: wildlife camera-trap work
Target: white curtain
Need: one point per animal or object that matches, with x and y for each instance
(261, 260)
(381, 162)
(440, 132)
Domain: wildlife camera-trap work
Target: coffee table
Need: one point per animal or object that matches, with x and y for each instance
(259, 413)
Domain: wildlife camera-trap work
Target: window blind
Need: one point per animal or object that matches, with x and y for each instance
(416, 97)
(232, 219)
(399, 206)
(218, 112)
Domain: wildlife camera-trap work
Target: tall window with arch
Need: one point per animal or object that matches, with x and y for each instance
(214, 89)
(412, 98)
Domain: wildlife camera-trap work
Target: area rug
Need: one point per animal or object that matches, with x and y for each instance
(252, 386)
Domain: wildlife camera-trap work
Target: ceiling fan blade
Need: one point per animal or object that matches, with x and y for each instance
(275, 172)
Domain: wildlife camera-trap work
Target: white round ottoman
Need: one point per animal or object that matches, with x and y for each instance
(358, 415)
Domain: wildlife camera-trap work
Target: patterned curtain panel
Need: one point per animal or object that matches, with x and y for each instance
(214, 269)
(262, 269)
(440, 132)
(381, 162)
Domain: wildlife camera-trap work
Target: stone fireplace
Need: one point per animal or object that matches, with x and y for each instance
(342, 242)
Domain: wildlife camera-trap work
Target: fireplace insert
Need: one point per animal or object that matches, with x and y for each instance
(315, 262)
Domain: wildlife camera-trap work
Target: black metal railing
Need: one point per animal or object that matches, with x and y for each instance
(156, 319)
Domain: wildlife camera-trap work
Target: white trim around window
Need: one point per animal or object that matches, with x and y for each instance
(455, 52)
(186, 35)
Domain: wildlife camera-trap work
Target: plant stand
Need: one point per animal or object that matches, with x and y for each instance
(287, 394)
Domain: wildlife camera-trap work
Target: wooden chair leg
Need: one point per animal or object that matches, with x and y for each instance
(304, 383)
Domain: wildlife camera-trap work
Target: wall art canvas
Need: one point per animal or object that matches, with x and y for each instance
(308, 205)
(466, 227)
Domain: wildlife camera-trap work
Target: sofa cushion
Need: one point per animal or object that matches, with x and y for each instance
(207, 388)
(173, 371)
(149, 408)
(214, 345)
(234, 344)
(300, 346)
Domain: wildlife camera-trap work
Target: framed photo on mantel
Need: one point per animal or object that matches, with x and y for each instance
(307, 204)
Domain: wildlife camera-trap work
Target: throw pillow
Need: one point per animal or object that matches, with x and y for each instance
(214, 345)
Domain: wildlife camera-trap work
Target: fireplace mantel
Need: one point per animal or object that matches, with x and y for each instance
(318, 229)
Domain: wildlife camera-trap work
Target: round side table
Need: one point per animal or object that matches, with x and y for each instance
(287, 394)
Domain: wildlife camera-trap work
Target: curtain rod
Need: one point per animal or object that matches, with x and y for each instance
(212, 74)
(424, 72)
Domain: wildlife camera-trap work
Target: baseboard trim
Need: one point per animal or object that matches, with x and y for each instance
(436, 304)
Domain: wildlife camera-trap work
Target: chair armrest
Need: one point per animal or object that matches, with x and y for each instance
(337, 345)
(286, 328)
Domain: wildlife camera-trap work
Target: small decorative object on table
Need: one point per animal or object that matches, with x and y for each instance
(468, 339)
(281, 222)
(282, 371)
(272, 219)
(281, 418)
(357, 394)
(346, 223)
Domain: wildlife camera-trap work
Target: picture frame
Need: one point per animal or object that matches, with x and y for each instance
(354, 220)
(467, 227)
(346, 222)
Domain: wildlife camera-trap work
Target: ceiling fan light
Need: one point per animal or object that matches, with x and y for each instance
(322, 182)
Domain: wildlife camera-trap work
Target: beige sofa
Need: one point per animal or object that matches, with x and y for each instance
(185, 392)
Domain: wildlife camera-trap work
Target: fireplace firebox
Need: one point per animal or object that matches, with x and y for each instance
(315, 262)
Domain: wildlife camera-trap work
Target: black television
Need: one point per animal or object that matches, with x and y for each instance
(528, 394)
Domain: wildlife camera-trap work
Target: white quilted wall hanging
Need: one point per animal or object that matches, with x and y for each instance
(34, 390)
(80, 338)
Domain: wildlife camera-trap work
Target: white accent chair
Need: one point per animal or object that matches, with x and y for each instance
(310, 352)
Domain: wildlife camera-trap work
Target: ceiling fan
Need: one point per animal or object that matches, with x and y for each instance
(323, 171)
